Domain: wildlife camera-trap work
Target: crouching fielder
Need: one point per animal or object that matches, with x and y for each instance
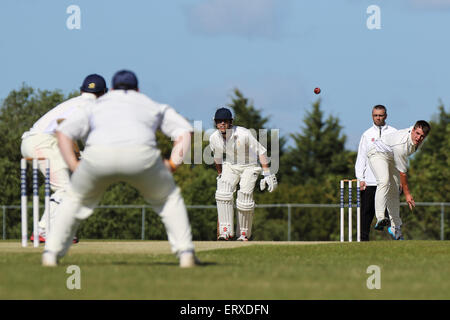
(40, 142)
(121, 146)
(388, 159)
(236, 154)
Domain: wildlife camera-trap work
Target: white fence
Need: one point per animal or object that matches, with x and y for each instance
(289, 207)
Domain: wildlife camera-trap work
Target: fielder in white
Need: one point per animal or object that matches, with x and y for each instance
(388, 158)
(236, 154)
(121, 146)
(40, 142)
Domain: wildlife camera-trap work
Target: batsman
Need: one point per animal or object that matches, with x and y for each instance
(236, 153)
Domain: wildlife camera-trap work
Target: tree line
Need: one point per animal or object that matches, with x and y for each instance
(309, 172)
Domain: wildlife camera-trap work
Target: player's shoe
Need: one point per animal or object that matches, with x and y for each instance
(41, 237)
(381, 224)
(223, 237)
(242, 238)
(188, 259)
(49, 259)
(396, 233)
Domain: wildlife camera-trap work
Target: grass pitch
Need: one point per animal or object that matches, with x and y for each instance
(231, 271)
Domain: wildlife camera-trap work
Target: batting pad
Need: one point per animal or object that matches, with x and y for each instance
(224, 199)
(245, 201)
(245, 206)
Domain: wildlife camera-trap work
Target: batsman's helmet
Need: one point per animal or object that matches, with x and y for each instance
(125, 80)
(223, 114)
(94, 83)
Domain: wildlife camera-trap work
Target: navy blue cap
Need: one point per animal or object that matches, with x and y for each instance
(94, 83)
(223, 114)
(125, 80)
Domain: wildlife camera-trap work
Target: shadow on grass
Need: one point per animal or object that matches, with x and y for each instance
(133, 264)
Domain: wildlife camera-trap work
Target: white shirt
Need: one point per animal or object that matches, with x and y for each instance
(48, 122)
(241, 147)
(362, 167)
(398, 146)
(124, 118)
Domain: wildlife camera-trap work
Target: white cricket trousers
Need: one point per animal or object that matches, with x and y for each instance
(388, 186)
(43, 145)
(246, 175)
(101, 166)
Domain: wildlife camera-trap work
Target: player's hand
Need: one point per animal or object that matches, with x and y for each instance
(74, 165)
(410, 201)
(362, 185)
(170, 165)
(270, 180)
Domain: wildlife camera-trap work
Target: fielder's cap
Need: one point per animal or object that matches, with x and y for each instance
(223, 114)
(94, 83)
(125, 80)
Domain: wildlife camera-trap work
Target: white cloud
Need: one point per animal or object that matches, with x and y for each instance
(246, 18)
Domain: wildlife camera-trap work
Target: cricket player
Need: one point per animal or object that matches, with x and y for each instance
(40, 142)
(368, 183)
(388, 159)
(119, 129)
(236, 154)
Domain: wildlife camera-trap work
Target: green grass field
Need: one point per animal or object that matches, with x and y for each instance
(231, 270)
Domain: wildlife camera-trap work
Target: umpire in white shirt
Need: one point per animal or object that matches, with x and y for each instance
(121, 146)
(368, 183)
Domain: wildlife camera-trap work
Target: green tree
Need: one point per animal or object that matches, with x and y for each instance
(18, 112)
(319, 149)
(245, 113)
(431, 166)
(429, 174)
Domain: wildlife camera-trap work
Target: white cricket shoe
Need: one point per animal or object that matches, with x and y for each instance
(396, 233)
(223, 237)
(49, 259)
(188, 259)
(242, 238)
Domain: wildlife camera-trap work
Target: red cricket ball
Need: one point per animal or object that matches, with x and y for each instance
(317, 90)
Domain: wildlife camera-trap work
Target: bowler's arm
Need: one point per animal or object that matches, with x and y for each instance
(405, 188)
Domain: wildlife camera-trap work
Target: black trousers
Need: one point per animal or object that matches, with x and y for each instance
(368, 211)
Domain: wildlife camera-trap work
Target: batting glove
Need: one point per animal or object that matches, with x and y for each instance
(270, 180)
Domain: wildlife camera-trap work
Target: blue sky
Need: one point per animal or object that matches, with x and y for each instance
(191, 54)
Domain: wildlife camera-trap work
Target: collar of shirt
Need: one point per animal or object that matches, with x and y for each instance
(88, 95)
(233, 131)
(383, 128)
